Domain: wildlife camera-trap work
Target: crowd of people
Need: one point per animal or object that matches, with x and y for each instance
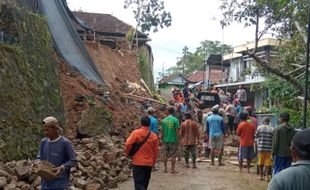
(179, 133)
(273, 148)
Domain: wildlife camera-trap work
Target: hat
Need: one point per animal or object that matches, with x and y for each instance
(215, 108)
(150, 109)
(302, 141)
(48, 121)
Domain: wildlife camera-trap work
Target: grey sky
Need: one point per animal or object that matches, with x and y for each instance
(192, 22)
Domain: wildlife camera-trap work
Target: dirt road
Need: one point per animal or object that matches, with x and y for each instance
(206, 177)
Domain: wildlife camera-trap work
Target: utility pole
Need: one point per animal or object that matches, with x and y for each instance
(307, 71)
(184, 61)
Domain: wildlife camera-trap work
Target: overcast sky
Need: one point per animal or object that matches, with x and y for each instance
(193, 21)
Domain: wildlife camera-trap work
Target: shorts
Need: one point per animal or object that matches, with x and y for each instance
(246, 152)
(216, 142)
(264, 158)
(170, 149)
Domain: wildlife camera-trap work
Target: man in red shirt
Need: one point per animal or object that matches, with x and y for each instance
(144, 159)
(246, 131)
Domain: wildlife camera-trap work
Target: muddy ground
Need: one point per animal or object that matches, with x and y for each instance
(205, 177)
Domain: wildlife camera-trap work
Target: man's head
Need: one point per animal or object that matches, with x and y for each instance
(145, 121)
(150, 110)
(284, 117)
(178, 106)
(186, 101)
(188, 115)
(236, 102)
(215, 109)
(171, 110)
(266, 120)
(248, 109)
(240, 86)
(300, 148)
(186, 84)
(222, 112)
(243, 116)
(51, 127)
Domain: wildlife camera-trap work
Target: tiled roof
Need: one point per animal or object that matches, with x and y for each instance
(104, 23)
(196, 76)
(169, 78)
(216, 74)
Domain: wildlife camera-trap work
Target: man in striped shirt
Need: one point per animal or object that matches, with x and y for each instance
(263, 136)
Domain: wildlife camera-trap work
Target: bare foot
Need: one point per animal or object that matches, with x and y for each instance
(194, 167)
(173, 172)
(186, 165)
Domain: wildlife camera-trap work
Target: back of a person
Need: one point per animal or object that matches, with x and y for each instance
(292, 178)
(215, 123)
(241, 93)
(145, 155)
(264, 138)
(154, 124)
(169, 127)
(189, 130)
(285, 135)
(246, 132)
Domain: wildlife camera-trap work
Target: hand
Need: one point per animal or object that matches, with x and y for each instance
(58, 170)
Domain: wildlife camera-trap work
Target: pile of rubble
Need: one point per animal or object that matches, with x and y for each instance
(101, 165)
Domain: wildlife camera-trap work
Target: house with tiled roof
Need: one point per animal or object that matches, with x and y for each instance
(167, 83)
(106, 29)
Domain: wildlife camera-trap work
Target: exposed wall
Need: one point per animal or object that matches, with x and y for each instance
(146, 65)
(28, 82)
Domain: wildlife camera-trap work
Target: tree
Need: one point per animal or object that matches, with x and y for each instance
(195, 61)
(149, 14)
(284, 19)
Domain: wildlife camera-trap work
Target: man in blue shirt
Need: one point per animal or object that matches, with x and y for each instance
(215, 130)
(154, 122)
(297, 176)
(57, 150)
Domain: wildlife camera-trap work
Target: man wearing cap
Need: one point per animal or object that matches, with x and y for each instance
(263, 136)
(154, 122)
(282, 139)
(215, 131)
(297, 176)
(57, 150)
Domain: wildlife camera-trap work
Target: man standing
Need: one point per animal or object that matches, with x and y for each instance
(189, 136)
(282, 138)
(170, 131)
(154, 122)
(298, 175)
(263, 136)
(241, 95)
(144, 159)
(215, 131)
(185, 91)
(57, 150)
(246, 132)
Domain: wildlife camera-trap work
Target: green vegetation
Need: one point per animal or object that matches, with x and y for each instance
(145, 67)
(195, 61)
(95, 121)
(29, 83)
